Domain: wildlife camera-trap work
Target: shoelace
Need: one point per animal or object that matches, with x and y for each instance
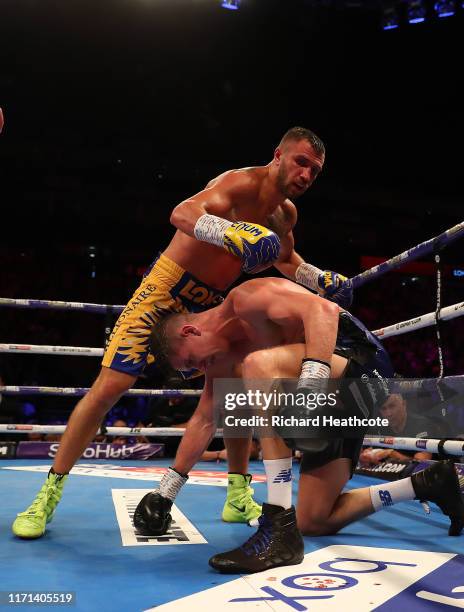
(245, 499)
(37, 501)
(45, 494)
(259, 540)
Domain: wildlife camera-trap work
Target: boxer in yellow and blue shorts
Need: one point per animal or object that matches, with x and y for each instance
(241, 221)
(165, 288)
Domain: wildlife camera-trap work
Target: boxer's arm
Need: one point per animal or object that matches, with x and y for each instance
(199, 432)
(216, 199)
(289, 260)
(330, 285)
(319, 318)
(206, 217)
(398, 456)
(326, 283)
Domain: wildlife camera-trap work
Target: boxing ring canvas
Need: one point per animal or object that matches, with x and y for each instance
(400, 557)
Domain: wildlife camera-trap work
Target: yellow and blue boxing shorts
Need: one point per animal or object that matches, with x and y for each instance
(165, 288)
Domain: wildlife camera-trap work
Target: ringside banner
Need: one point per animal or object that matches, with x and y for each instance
(7, 450)
(45, 450)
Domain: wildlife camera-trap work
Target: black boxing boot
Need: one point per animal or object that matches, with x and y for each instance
(277, 542)
(152, 516)
(439, 483)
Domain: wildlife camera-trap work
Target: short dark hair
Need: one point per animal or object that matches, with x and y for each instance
(159, 345)
(159, 342)
(301, 133)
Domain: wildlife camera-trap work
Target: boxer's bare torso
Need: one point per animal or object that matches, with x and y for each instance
(256, 315)
(253, 201)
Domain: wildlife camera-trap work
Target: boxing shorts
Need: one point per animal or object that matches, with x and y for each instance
(166, 288)
(368, 363)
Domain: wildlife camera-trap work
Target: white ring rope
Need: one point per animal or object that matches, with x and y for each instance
(404, 387)
(426, 320)
(57, 305)
(80, 391)
(450, 447)
(168, 432)
(434, 446)
(42, 349)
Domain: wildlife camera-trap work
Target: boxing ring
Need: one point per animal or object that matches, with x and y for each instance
(397, 557)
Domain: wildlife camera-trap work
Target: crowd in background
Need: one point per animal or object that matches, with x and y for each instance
(390, 299)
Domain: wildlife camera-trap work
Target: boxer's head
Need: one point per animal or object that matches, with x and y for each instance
(299, 158)
(185, 342)
(395, 410)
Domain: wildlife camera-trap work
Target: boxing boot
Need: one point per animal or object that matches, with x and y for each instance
(277, 542)
(439, 483)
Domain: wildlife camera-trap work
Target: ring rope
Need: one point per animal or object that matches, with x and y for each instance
(431, 445)
(426, 320)
(438, 317)
(57, 305)
(42, 349)
(80, 391)
(406, 386)
(424, 248)
(434, 446)
(168, 432)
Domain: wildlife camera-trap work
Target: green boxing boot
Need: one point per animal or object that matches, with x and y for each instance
(240, 507)
(31, 523)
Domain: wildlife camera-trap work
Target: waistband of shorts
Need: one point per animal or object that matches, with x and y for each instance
(180, 281)
(352, 331)
(360, 346)
(163, 264)
(354, 340)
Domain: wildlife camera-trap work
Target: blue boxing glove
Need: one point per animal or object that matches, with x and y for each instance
(257, 246)
(330, 285)
(337, 288)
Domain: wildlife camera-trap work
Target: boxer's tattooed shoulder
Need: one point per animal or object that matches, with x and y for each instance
(281, 221)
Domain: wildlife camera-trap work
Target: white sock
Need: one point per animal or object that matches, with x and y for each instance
(279, 481)
(171, 483)
(389, 493)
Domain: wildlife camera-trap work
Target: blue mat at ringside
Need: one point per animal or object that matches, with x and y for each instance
(83, 552)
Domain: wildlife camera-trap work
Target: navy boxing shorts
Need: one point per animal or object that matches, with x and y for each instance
(366, 358)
